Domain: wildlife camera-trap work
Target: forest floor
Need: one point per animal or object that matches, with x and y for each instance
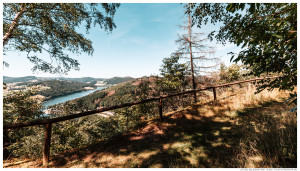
(237, 131)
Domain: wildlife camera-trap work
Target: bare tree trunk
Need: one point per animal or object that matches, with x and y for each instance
(191, 58)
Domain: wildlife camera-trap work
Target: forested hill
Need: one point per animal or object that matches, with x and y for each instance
(110, 81)
(54, 88)
(126, 91)
(83, 79)
(117, 80)
(121, 93)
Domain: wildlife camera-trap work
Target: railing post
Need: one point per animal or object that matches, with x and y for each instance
(46, 152)
(215, 94)
(160, 109)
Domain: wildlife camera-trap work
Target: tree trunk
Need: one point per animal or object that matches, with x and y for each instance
(191, 58)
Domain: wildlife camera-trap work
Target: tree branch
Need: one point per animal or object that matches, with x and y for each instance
(6, 4)
(13, 25)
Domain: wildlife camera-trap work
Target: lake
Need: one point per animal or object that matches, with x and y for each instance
(62, 99)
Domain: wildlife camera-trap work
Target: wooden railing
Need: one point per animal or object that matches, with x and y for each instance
(48, 122)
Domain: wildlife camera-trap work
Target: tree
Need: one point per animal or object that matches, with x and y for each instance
(174, 79)
(266, 32)
(174, 74)
(51, 28)
(144, 91)
(192, 47)
(231, 73)
(21, 106)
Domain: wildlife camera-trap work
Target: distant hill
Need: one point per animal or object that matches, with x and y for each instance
(83, 79)
(18, 79)
(62, 86)
(117, 80)
(114, 80)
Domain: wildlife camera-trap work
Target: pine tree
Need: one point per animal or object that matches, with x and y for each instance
(192, 48)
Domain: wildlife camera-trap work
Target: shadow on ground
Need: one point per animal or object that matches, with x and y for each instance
(185, 139)
(192, 138)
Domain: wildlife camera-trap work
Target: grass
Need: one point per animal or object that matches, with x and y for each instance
(241, 129)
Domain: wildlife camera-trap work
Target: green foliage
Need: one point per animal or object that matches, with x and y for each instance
(146, 90)
(127, 118)
(51, 28)
(20, 106)
(222, 71)
(26, 143)
(267, 32)
(232, 73)
(174, 80)
(174, 74)
(120, 93)
(82, 131)
(59, 88)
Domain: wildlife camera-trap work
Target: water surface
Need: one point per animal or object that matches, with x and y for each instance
(62, 99)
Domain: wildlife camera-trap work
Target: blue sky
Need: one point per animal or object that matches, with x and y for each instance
(145, 34)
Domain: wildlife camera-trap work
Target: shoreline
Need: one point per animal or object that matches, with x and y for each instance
(52, 98)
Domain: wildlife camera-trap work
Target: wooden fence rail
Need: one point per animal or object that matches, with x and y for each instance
(48, 122)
